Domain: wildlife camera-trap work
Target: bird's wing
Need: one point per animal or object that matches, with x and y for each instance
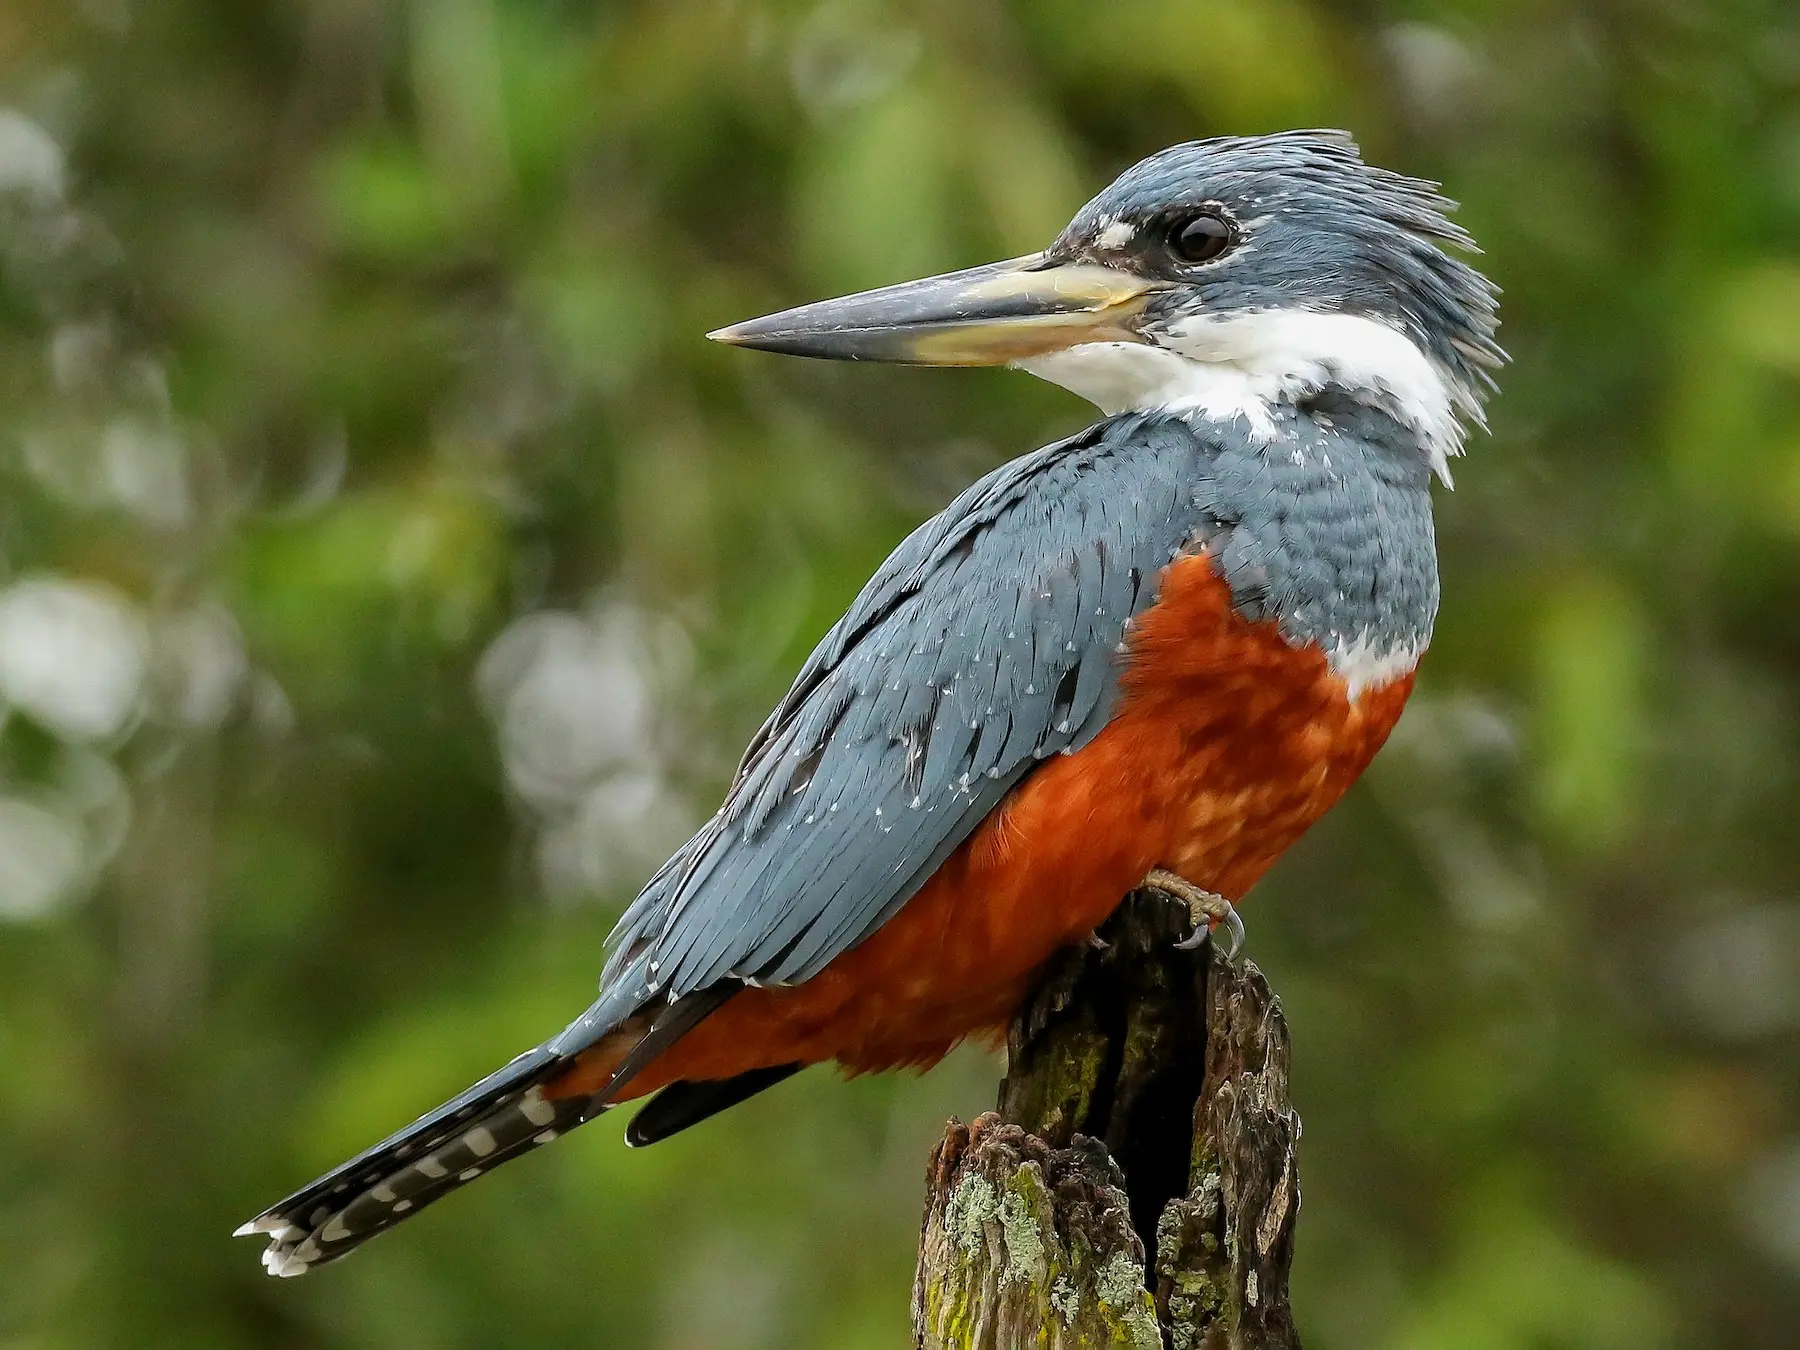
(988, 641)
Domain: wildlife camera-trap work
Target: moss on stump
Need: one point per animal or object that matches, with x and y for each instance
(1137, 1187)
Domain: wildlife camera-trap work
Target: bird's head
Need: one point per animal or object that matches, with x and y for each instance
(1220, 277)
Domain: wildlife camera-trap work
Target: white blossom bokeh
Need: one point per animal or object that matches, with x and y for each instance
(580, 702)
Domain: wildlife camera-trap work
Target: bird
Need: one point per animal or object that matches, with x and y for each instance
(1154, 652)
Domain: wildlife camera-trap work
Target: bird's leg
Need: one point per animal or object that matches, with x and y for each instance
(1205, 907)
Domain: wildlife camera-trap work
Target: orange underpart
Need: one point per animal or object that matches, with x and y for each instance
(1226, 744)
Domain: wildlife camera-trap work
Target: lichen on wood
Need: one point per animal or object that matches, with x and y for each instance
(1029, 1245)
(1137, 1186)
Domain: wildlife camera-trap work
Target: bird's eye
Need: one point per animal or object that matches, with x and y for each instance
(1200, 238)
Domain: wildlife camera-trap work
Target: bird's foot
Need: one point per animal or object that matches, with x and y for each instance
(1205, 907)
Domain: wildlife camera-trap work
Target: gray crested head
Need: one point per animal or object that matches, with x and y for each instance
(1230, 279)
(1309, 227)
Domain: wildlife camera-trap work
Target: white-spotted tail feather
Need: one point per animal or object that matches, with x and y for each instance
(500, 1118)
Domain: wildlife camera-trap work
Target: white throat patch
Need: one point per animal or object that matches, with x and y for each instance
(1362, 666)
(1243, 364)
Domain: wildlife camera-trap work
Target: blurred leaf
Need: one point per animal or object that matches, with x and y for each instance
(1589, 703)
(1513, 1281)
(382, 199)
(875, 194)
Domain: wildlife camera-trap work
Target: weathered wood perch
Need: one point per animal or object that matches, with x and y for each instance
(1137, 1185)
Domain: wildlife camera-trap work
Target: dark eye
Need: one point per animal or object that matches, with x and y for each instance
(1200, 238)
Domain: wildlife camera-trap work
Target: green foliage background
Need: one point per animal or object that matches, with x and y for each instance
(432, 569)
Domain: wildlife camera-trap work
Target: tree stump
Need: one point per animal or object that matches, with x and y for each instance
(1137, 1185)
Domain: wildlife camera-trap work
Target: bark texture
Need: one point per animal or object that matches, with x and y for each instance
(1137, 1185)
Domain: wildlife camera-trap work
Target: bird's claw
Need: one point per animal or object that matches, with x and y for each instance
(1205, 907)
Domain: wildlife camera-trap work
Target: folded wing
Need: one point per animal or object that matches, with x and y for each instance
(990, 639)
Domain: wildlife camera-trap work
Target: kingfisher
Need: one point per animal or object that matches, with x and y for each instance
(1152, 653)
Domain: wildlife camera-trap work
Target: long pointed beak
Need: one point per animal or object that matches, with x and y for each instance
(982, 316)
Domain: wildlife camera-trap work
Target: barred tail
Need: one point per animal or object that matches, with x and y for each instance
(504, 1115)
